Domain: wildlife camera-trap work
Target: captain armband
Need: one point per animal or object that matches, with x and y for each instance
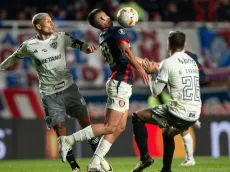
(77, 44)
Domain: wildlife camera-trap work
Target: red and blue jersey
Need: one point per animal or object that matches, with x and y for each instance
(109, 41)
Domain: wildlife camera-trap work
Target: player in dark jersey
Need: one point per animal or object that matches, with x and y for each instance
(115, 47)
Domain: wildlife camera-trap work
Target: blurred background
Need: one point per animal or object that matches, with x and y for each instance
(206, 25)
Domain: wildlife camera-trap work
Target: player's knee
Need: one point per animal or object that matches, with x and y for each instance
(60, 125)
(110, 129)
(136, 118)
(170, 132)
(121, 129)
(60, 129)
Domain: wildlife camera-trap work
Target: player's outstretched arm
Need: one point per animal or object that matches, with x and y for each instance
(156, 84)
(127, 53)
(139, 60)
(78, 44)
(8, 62)
(150, 66)
(20, 53)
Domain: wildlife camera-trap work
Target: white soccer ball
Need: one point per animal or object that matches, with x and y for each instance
(127, 17)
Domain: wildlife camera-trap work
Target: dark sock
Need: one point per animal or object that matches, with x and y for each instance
(94, 143)
(141, 136)
(71, 159)
(169, 146)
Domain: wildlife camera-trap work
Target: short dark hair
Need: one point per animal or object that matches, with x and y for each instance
(176, 40)
(92, 15)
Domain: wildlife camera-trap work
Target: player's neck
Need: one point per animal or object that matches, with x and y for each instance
(175, 51)
(43, 37)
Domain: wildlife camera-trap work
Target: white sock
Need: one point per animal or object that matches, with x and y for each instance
(102, 149)
(84, 134)
(188, 145)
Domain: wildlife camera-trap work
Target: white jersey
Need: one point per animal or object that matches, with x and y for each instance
(180, 73)
(49, 59)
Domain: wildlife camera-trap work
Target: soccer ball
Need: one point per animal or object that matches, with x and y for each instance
(127, 17)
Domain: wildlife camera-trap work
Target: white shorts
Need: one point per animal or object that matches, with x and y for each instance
(118, 93)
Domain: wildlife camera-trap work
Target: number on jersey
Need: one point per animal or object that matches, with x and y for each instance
(191, 90)
(106, 53)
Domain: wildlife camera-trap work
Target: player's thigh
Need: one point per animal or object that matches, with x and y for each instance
(54, 109)
(113, 118)
(179, 123)
(74, 103)
(123, 121)
(157, 115)
(118, 93)
(146, 115)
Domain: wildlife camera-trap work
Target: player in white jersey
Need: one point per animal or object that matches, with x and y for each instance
(59, 94)
(181, 75)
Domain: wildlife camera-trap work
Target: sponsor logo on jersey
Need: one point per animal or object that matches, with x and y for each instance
(54, 45)
(50, 59)
(185, 61)
(121, 103)
(121, 31)
(60, 85)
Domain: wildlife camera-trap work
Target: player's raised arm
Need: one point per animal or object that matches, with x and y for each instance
(78, 44)
(156, 84)
(17, 55)
(124, 47)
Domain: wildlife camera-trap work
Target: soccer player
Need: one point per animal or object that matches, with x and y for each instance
(115, 47)
(186, 136)
(59, 94)
(181, 75)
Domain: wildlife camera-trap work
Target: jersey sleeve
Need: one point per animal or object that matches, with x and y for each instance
(202, 74)
(163, 75)
(121, 35)
(72, 42)
(20, 53)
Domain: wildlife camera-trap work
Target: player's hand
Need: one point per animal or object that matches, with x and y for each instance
(143, 75)
(150, 66)
(91, 49)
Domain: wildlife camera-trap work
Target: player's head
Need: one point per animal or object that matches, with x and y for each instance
(99, 19)
(176, 41)
(43, 23)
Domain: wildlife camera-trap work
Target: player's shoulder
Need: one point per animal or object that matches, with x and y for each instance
(30, 41)
(192, 55)
(165, 63)
(57, 35)
(117, 30)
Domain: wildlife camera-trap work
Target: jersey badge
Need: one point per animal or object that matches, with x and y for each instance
(121, 31)
(121, 103)
(54, 45)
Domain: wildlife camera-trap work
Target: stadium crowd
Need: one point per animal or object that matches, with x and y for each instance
(149, 10)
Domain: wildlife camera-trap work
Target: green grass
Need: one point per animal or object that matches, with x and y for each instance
(203, 164)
